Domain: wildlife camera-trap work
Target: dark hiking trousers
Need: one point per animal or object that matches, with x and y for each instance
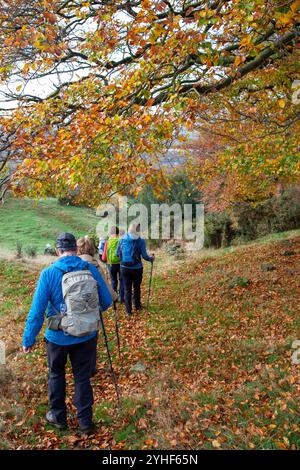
(80, 356)
(115, 279)
(132, 279)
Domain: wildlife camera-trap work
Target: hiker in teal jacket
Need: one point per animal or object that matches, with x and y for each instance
(48, 296)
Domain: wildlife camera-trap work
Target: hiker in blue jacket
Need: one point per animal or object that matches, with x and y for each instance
(59, 345)
(131, 249)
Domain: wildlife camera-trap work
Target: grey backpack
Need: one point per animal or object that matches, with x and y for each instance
(80, 293)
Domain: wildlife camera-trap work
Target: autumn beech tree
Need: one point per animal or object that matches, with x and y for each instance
(248, 146)
(5, 157)
(98, 89)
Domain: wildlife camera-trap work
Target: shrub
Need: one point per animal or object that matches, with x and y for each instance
(31, 251)
(49, 250)
(93, 235)
(238, 282)
(67, 200)
(277, 214)
(218, 230)
(19, 250)
(175, 249)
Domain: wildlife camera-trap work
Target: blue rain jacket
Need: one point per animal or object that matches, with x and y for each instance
(49, 292)
(141, 250)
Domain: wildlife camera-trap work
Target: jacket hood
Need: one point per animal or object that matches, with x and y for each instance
(131, 236)
(70, 263)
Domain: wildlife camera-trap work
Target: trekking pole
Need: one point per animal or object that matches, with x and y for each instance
(117, 327)
(109, 359)
(150, 282)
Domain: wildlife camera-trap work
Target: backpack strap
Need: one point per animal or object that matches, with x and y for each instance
(65, 272)
(54, 322)
(54, 308)
(136, 250)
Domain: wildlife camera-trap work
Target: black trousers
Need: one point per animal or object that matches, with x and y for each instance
(132, 279)
(80, 356)
(115, 279)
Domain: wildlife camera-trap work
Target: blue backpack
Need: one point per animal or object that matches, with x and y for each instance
(130, 253)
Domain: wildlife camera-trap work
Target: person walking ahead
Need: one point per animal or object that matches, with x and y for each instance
(113, 261)
(86, 251)
(131, 249)
(73, 291)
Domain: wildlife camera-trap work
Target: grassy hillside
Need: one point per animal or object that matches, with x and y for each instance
(36, 224)
(216, 350)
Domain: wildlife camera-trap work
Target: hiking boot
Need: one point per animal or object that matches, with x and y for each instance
(88, 429)
(50, 418)
(128, 314)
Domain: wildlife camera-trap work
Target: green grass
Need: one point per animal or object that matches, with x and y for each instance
(14, 292)
(103, 414)
(131, 411)
(34, 224)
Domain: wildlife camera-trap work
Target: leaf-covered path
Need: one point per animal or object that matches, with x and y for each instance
(214, 349)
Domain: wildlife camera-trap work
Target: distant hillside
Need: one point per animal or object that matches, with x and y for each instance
(36, 224)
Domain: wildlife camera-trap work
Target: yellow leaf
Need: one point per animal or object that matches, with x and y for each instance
(281, 445)
(216, 444)
(238, 60)
(246, 41)
(281, 103)
(26, 68)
